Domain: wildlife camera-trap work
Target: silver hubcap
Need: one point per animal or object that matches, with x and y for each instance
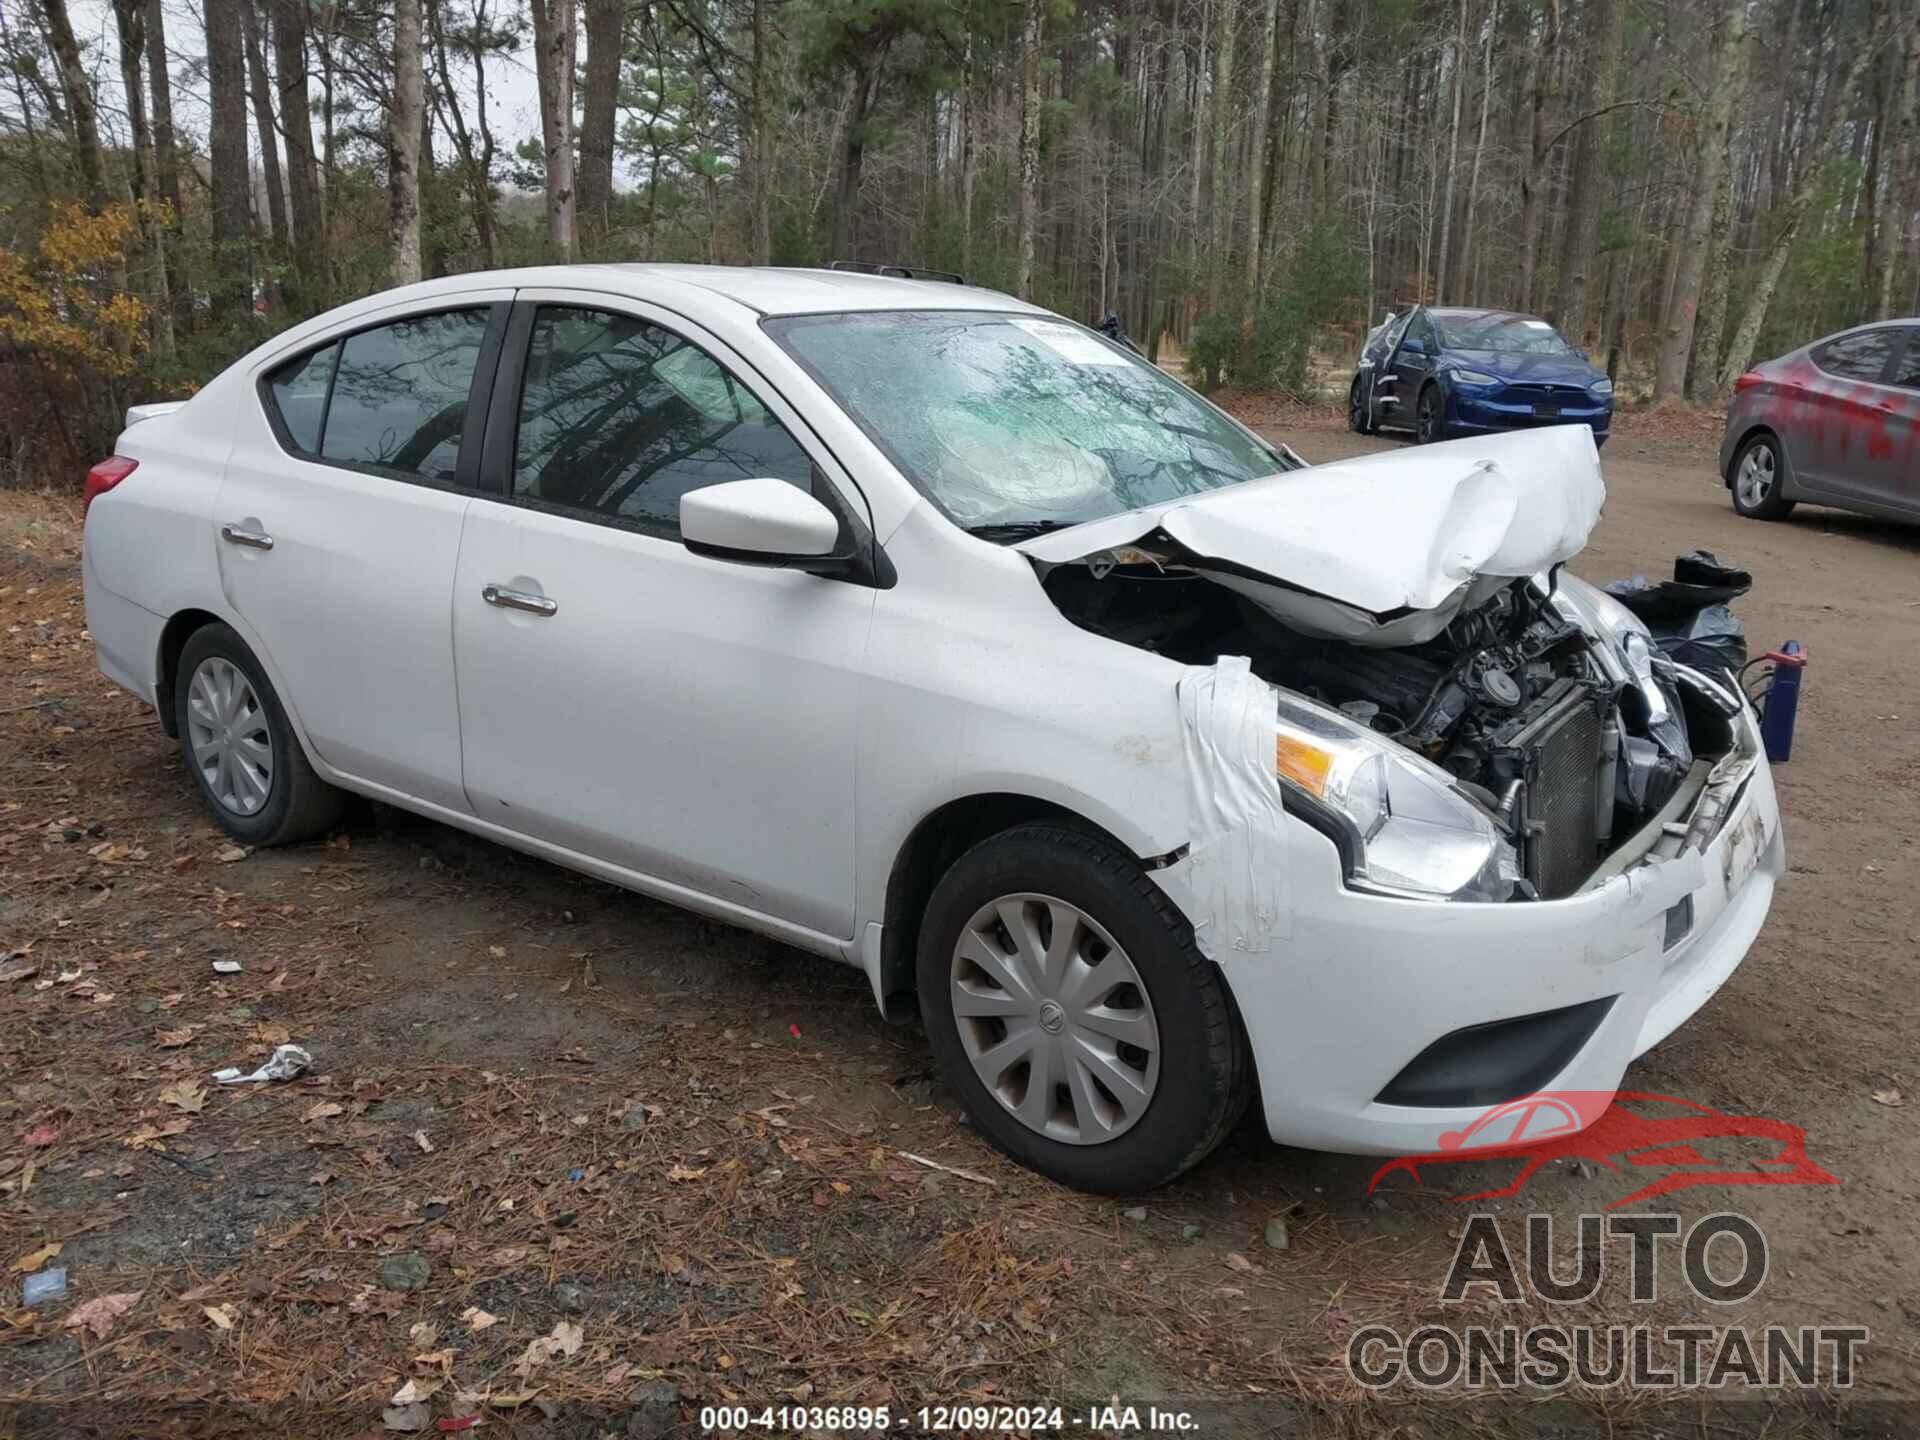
(227, 728)
(1755, 480)
(1055, 1019)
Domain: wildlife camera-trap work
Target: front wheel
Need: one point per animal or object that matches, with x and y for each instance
(1067, 1004)
(1430, 418)
(1757, 475)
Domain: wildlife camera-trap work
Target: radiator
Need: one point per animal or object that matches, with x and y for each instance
(1556, 750)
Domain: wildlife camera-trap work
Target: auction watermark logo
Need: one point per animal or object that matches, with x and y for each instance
(1553, 1356)
(1611, 1129)
(1723, 1258)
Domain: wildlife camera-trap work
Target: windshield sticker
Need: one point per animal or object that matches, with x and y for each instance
(1071, 344)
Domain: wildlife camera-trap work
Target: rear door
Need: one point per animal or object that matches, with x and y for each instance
(338, 526)
(1845, 438)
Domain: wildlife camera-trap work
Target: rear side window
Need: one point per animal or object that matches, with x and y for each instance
(299, 391)
(394, 397)
(1857, 357)
(620, 418)
(1907, 372)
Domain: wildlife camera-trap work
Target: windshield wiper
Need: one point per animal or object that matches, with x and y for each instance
(1007, 531)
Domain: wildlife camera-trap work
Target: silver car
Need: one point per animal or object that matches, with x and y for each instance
(1835, 423)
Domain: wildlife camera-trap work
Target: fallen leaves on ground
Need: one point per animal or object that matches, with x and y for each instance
(564, 1341)
(187, 1095)
(1890, 1096)
(34, 1259)
(99, 1314)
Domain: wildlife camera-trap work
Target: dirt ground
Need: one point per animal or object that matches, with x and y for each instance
(576, 1163)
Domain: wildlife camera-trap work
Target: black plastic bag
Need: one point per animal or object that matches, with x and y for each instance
(1688, 615)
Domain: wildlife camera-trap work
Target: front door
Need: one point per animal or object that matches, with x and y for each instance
(690, 719)
(337, 526)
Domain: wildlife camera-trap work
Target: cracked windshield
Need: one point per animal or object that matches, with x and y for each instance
(1015, 424)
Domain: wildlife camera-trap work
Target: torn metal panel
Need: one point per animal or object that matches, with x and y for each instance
(1382, 550)
(1234, 874)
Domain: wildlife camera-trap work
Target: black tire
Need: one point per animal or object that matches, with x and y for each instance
(1205, 1073)
(1769, 454)
(1358, 419)
(1430, 415)
(299, 804)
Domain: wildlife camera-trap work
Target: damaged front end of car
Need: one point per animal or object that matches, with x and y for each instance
(1463, 719)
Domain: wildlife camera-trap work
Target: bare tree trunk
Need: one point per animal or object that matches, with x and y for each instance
(1033, 10)
(231, 282)
(269, 148)
(1222, 194)
(969, 123)
(606, 35)
(1902, 146)
(77, 89)
(1463, 271)
(1453, 158)
(553, 47)
(403, 146)
(1702, 370)
(1676, 344)
(846, 215)
(1533, 177)
(1602, 46)
(1197, 114)
(762, 143)
(308, 243)
(130, 22)
(475, 167)
(1257, 152)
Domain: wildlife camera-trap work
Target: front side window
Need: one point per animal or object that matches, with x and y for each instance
(399, 397)
(1020, 420)
(621, 418)
(1858, 357)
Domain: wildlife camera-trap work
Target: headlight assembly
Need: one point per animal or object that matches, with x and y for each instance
(1475, 377)
(1601, 387)
(1406, 829)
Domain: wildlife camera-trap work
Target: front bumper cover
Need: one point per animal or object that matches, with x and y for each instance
(1361, 984)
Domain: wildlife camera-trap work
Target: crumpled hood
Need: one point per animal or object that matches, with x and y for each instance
(1382, 550)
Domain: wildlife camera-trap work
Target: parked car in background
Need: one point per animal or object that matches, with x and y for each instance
(1442, 372)
(1836, 422)
(1156, 770)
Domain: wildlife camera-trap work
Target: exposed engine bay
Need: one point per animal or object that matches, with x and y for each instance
(1570, 751)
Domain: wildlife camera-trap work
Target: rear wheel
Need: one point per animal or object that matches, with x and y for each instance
(240, 749)
(1358, 419)
(1430, 416)
(1758, 472)
(1067, 1004)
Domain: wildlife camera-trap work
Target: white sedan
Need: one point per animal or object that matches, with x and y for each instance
(929, 632)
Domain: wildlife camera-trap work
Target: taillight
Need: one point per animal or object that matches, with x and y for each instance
(1748, 381)
(103, 477)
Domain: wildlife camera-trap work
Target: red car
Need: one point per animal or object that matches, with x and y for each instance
(1836, 423)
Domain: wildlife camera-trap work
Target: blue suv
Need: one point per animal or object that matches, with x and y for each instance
(1447, 372)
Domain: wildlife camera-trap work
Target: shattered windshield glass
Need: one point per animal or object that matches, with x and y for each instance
(1502, 334)
(1021, 421)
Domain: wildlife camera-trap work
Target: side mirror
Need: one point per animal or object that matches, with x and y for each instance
(1414, 345)
(761, 522)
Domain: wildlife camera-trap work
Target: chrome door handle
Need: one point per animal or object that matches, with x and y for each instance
(517, 600)
(254, 539)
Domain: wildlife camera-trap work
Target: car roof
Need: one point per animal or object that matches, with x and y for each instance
(776, 290)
